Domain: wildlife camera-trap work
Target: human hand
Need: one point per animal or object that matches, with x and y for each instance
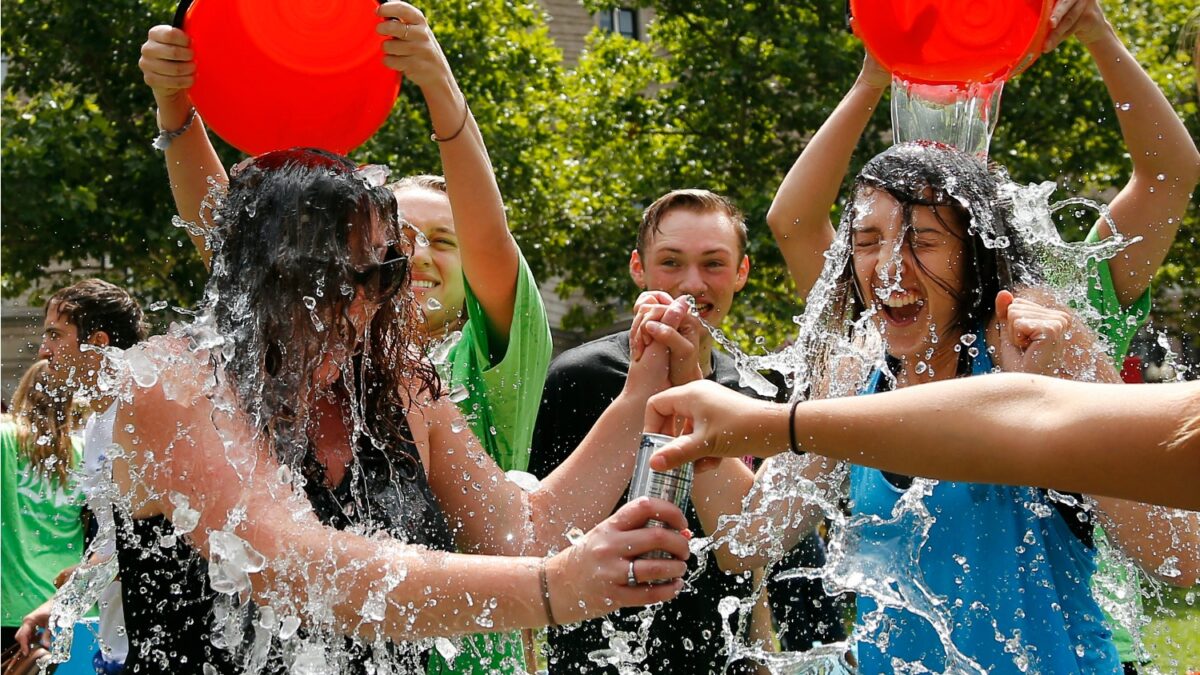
(63, 576)
(168, 68)
(412, 50)
(873, 74)
(1082, 18)
(1034, 335)
(591, 578)
(721, 423)
(649, 304)
(673, 325)
(33, 623)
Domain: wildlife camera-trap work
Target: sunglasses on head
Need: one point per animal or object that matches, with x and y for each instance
(381, 280)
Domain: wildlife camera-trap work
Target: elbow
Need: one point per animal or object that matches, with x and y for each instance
(778, 221)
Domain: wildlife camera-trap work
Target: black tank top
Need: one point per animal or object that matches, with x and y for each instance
(169, 604)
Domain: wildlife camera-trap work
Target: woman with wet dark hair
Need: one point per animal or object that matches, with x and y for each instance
(291, 460)
(911, 265)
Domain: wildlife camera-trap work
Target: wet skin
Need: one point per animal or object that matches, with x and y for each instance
(71, 365)
(911, 305)
(437, 276)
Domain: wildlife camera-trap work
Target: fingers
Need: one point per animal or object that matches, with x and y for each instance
(637, 339)
(170, 36)
(682, 349)
(684, 449)
(636, 543)
(652, 298)
(1004, 300)
(633, 516)
(22, 637)
(402, 12)
(646, 594)
(664, 407)
(166, 61)
(657, 570)
(1068, 12)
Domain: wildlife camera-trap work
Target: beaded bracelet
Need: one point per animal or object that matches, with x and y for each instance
(164, 138)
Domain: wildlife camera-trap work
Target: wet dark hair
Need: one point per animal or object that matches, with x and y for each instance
(928, 175)
(281, 288)
(96, 306)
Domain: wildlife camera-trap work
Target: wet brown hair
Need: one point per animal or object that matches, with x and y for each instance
(44, 418)
(281, 291)
(95, 305)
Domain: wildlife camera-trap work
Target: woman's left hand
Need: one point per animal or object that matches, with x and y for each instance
(412, 49)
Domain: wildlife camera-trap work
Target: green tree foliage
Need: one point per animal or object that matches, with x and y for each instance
(721, 95)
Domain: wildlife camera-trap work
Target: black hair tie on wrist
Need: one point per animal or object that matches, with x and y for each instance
(792, 428)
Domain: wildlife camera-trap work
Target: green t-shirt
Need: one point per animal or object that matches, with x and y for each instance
(40, 529)
(1118, 325)
(502, 397)
(501, 404)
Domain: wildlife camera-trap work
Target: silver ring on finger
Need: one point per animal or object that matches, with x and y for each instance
(631, 579)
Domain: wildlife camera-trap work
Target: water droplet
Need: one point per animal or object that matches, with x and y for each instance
(968, 339)
(433, 305)
(921, 367)
(575, 536)
(157, 306)
(310, 302)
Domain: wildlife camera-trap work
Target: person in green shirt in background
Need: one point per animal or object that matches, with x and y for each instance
(41, 528)
(480, 301)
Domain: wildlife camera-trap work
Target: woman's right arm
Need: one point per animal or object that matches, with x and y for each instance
(189, 448)
(167, 66)
(799, 215)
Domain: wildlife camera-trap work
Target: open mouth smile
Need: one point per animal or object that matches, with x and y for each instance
(901, 308)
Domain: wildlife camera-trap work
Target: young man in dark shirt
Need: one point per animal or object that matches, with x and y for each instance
(691, 242)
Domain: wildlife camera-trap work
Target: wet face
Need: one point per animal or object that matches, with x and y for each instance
(377, 268)
(694, 253)
(437, 276)
(897, 270)
(72, 365)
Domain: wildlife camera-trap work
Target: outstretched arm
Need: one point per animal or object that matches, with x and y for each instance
(799, 215)
(1107, 439)
(184, 446)
(1166, 164)
(168, 68)
(490, 257)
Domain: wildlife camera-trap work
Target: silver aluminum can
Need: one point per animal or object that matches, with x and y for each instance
(673, 486)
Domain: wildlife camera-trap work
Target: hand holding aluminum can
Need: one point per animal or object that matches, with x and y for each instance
(673, 486)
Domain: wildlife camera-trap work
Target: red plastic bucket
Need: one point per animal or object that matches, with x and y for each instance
(952, 41)
(277, 74)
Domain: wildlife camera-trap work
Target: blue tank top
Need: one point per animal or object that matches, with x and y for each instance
(1000, 562)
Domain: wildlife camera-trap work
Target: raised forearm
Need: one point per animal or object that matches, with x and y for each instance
(585, 488)
(489, 253)
(799, 214)
(1157, 140)
(191, 163)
